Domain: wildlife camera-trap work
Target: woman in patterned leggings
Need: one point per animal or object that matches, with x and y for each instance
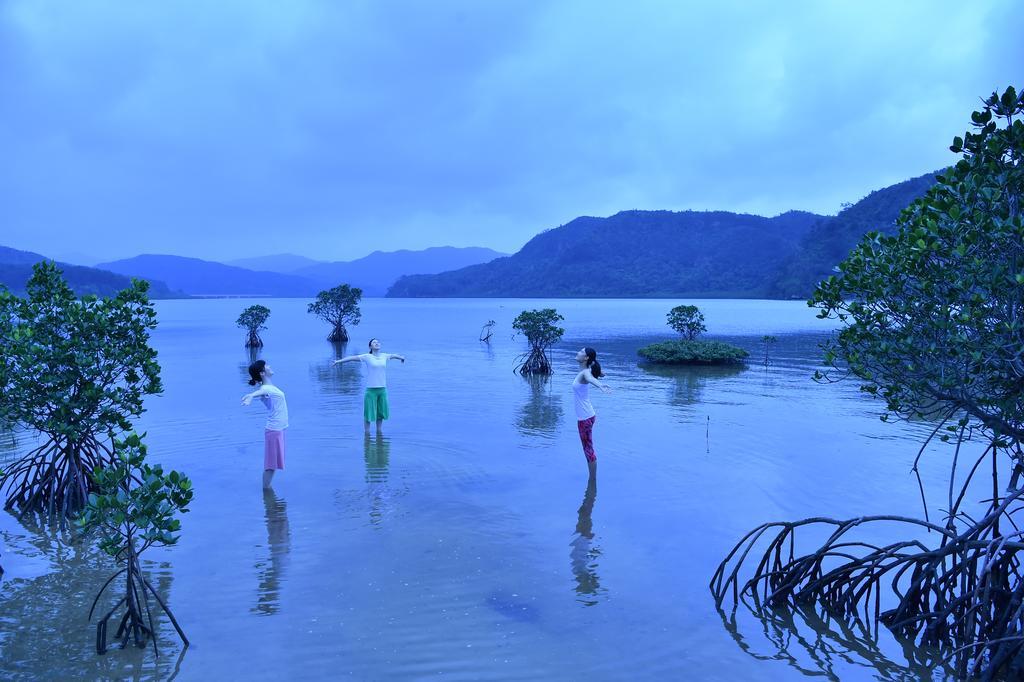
(590, 372)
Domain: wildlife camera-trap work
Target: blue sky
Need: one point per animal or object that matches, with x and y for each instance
(332, 129)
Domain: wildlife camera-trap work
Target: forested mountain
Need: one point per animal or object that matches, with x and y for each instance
(207, 278)
(378, 271)
(828, 242)
(687, 254)
(16, 269)
(634, 254)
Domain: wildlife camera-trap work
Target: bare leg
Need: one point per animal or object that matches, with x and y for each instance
(268, 474)
(366, 428)
(380, 424)
(592, 467)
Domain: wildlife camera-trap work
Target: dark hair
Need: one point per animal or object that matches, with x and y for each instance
(370, 344)
(592, 363)
(255, 369)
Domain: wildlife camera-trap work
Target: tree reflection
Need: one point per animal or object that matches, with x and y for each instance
(582, 554)
(52, 639)
(336, 379)
(817, 645)
(251, 355)
(689, 381)
(542, 413)
(270, 571)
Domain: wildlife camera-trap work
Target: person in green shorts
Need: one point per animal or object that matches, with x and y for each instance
(375, 401)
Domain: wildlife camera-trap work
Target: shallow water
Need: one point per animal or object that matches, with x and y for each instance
(465, 542)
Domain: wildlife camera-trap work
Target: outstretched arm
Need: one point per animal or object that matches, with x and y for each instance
(588, 376)
(348, 358)
(396, 356)
(247, 398)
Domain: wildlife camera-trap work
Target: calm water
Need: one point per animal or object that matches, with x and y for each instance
(465, 543)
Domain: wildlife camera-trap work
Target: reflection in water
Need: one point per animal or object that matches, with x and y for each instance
(583, 554)
(336, 379)
(270, 571)
(542, 414)
(44, 614)
(8, 439)
(689, 381)
(817, 645)
(252, 355)
(376, 452)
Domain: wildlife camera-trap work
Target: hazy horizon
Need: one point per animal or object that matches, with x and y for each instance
(240, 129)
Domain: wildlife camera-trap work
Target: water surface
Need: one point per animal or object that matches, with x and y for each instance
(465, 542)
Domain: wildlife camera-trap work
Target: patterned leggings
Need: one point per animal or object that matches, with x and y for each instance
(586, 427)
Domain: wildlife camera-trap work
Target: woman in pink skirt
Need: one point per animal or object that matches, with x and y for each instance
(590, 372)
(277, 417)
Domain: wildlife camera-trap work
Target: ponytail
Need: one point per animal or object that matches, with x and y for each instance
(255, 370)
(592, 364)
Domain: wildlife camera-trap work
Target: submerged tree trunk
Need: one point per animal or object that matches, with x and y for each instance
(134, 625)
(536, 362)
(960, 595)
(339, 334)
(254, 340)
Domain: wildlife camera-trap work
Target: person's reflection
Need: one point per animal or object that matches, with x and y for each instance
(376, 452)
(271, 569)
(582, 554)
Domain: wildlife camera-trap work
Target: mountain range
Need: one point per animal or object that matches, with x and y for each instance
(377, 272)
(16, 269)
(692, 254)
(373, 273)
(198, 277)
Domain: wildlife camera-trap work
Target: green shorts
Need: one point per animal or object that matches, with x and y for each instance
(375, 404)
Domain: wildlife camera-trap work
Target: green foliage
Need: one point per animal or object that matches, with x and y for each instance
(933, 323)
(135, 504)
(540, 327)
(684, 352)
(340, 307)
(934, 315)
(253, 320)
(687, 320)
(79, 368)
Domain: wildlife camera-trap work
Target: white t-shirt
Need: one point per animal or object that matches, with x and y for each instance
(581, 399)
(277, 407)
(375, 366)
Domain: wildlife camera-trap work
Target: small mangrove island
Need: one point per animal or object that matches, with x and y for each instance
(688, 321)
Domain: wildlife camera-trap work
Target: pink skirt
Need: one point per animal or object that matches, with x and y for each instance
(273, 452)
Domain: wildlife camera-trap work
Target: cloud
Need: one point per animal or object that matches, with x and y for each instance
(333, 129)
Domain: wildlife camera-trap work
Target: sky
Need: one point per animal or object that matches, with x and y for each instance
(335, 128)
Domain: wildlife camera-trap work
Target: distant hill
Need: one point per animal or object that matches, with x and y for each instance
(634, 254)
(205, 278)
(16, 269)
(687, 254)
(378, 271)
(281, 262)
(828, 242)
